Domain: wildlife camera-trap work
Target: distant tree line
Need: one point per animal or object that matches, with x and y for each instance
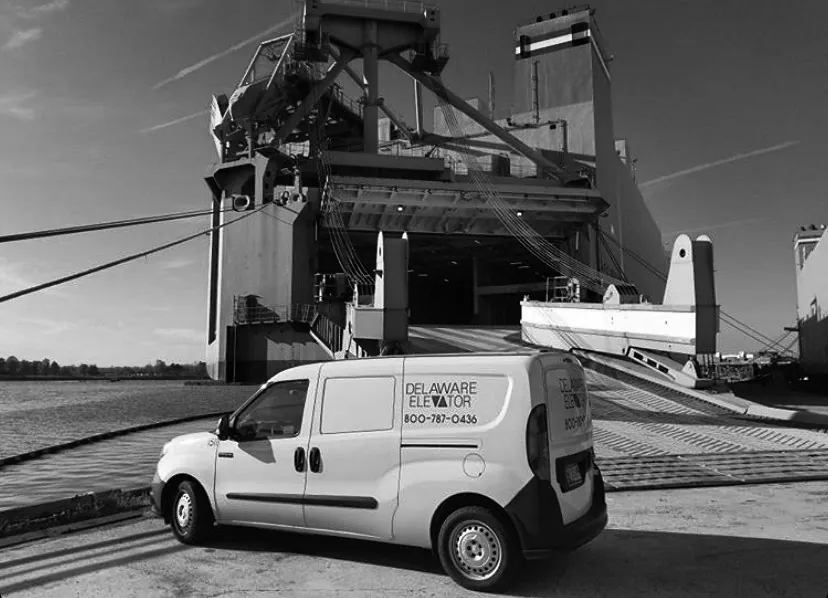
(46, 368)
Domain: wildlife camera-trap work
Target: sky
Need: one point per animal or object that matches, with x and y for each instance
(101, 118)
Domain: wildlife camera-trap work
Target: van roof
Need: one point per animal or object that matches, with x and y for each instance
(515, 353)
(518, 353)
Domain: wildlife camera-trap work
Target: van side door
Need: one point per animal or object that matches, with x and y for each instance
(354, 456)
(261, 468)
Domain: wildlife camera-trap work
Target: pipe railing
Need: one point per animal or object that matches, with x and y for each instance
(247, 312)
(406, 6)
(328, 332)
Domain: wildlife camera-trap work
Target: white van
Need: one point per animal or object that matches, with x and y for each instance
(484, 458)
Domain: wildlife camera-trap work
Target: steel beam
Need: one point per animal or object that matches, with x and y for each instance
(370, 69)
(555, 206)
(517, 189)
(385, 110)
(316, 92)
(436, 86)
(418, 107)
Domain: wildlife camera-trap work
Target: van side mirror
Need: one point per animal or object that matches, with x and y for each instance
(223, 430)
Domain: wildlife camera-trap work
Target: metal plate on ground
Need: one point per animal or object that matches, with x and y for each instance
(686, 471)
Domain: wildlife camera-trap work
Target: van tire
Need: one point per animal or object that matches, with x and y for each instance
(190, 514)
(477, 550)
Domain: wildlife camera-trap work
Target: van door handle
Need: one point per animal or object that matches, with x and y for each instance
(299, 459)
(315, 460)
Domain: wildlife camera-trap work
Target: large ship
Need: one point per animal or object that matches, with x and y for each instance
(355, 226)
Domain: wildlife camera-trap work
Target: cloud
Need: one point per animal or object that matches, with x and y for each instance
(17, 105)
(704, 229)
(48, 326)
(734, 158)
(181, 334)
(21, 37)
(158, 308)
(174, 122)
(11, 279)
(42, 9)
(173, 6)
(234, 48)
(177, 263)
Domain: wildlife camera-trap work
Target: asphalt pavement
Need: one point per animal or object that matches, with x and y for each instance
(751, 541)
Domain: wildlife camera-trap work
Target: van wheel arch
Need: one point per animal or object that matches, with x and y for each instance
(170, 489)
(466, 499)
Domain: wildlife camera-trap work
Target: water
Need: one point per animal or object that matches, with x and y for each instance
(38, 414)
(125, 462)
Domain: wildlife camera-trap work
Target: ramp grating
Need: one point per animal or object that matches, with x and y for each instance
(684, 471)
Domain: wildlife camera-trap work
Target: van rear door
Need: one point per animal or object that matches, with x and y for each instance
(569, 422)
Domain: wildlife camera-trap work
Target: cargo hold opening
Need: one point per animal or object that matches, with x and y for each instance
(458, 280)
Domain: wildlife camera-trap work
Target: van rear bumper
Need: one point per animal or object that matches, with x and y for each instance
(576, 534)
(542, 532)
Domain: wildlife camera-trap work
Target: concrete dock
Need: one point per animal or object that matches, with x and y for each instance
(757, 541)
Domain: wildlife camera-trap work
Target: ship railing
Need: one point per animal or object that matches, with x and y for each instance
(355, 106)
(453, 162)
(521, 171)
(296, 149)
(327, 332)
(406, 6)
(270, 57)
(248, 311)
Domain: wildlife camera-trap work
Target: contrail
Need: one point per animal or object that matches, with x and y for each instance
(702, 229)
(175, 122)
(202, 63)
(680, 173)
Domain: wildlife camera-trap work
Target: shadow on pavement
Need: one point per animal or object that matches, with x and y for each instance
(346, 549)
(26, 581)
(781, 395)
(636, 563)
(618, 564)
(81, 548)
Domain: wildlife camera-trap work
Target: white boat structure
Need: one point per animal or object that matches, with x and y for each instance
(659, 337)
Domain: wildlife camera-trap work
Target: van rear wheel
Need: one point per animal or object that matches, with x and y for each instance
(192, 518)
(477, 550)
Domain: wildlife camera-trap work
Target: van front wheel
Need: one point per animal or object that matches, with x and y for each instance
(477, 550)
(191, 515)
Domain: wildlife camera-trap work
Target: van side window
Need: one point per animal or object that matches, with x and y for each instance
(357, 405)
(276, 412)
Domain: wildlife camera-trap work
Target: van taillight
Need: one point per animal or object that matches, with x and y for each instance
(537, 443)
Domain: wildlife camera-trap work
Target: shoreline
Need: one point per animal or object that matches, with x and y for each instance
(17, 378)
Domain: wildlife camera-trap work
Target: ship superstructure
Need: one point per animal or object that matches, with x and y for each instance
(369, 225)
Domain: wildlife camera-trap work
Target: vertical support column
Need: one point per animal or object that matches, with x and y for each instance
(535, 92)
(476, 299)
(371, 73)
(418, 106)
(250, 141)
(620, 216)
(595, 233)
(491, 95)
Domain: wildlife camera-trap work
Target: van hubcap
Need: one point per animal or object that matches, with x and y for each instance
(184, 510)
(477, 552)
